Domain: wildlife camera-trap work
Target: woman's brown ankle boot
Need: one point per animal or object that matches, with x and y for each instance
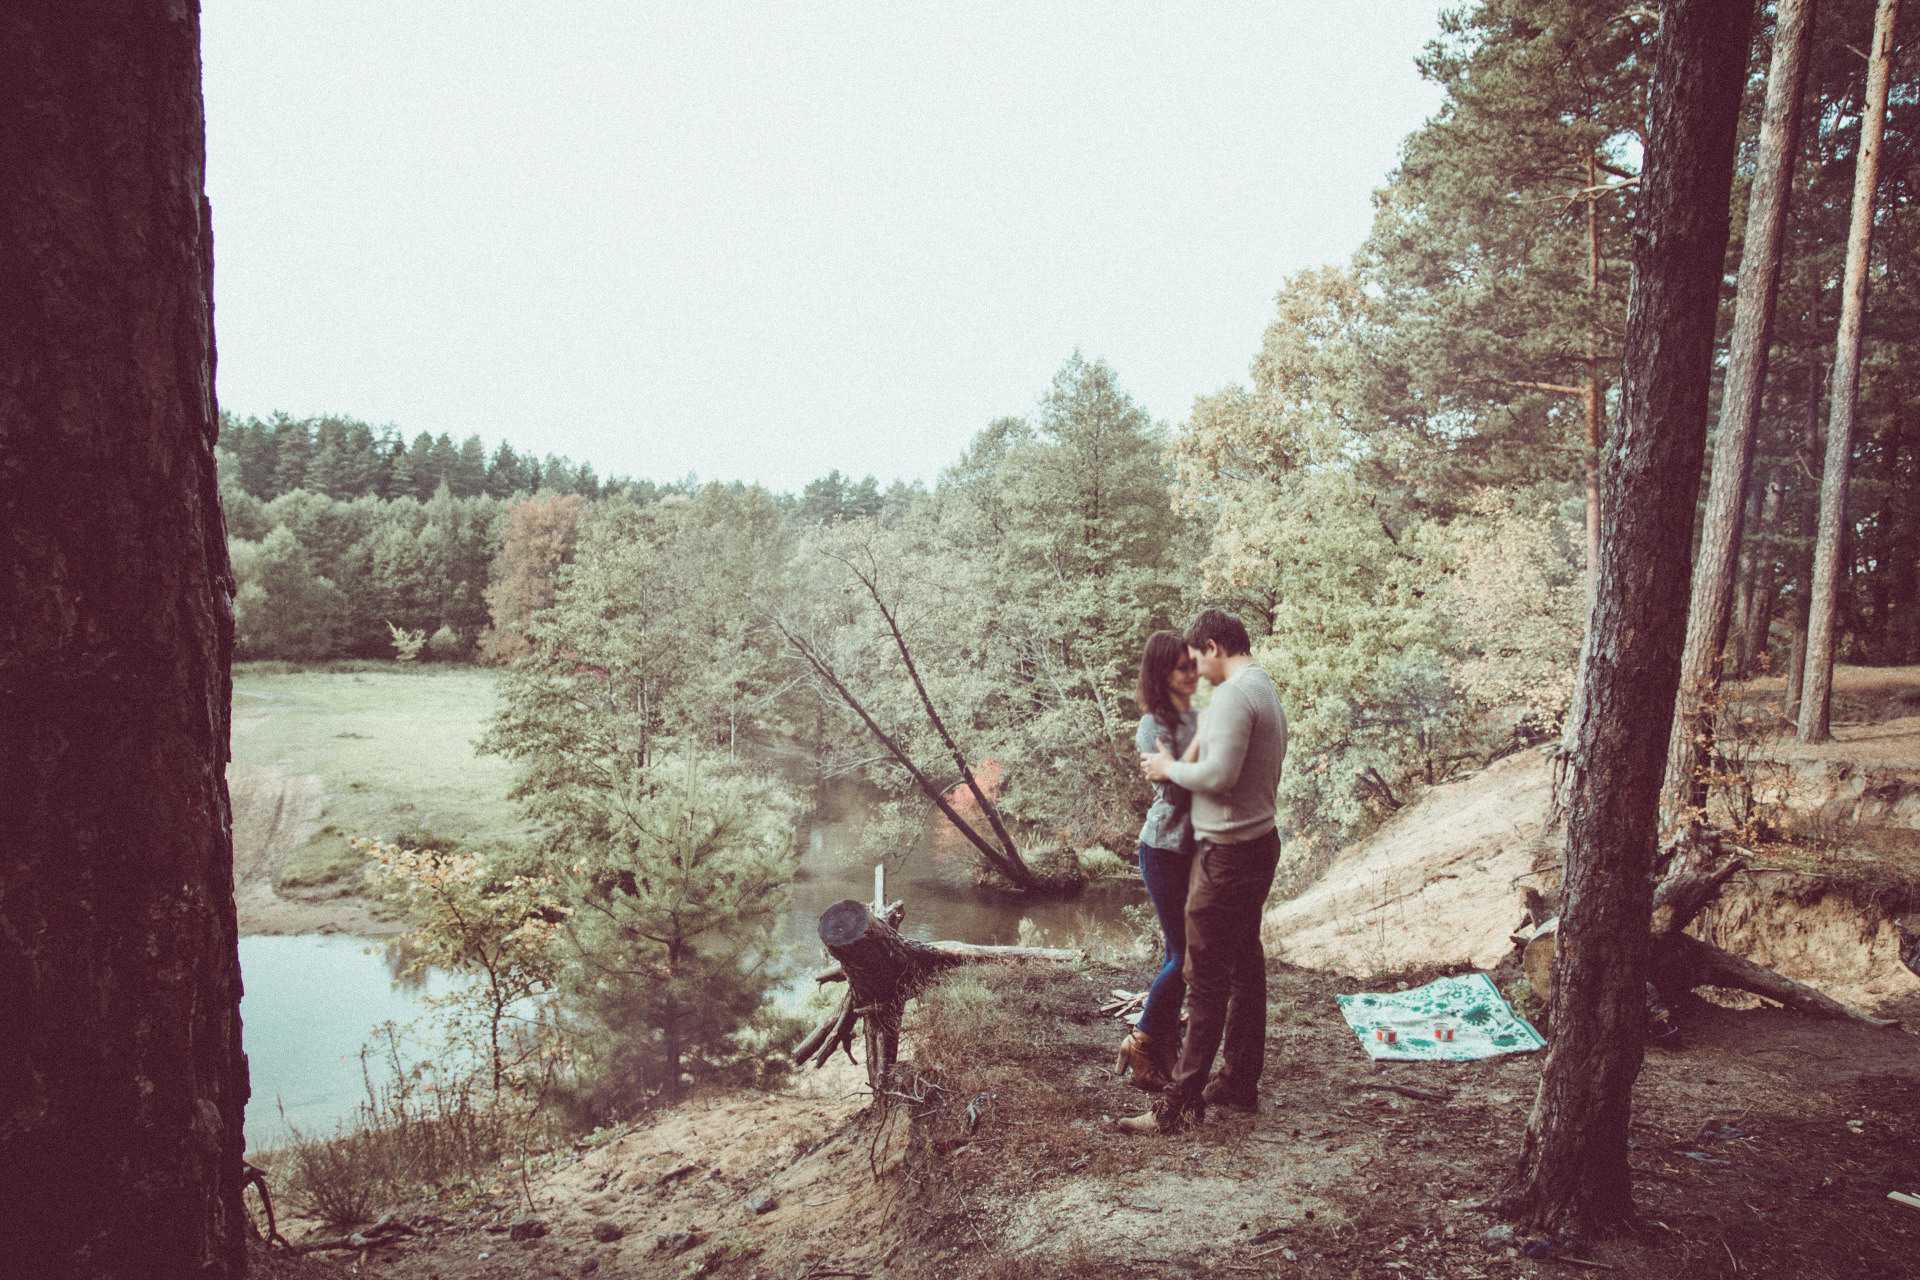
(1140, 1058)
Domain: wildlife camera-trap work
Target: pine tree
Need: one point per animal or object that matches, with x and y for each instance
(361, 473)
(676, 904)
(443, 461)
(469, 477)
(420, 468)
(292, 443)
(1824, 604)
(327, 471)
(1573, 1173)
(1499, 249)
(505, 475)
(1760, 261)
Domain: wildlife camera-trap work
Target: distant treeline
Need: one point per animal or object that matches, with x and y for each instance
(338, 457)
(342, 532)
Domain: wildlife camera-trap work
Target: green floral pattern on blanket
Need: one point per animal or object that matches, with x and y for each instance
(1483, 1024)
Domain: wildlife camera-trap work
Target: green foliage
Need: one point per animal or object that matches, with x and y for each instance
(447, 645)
(1024, 588)
(406, 644)
(1518, 606)
(498, 931)
(1104, 864)
(1342, 575)
(674, 913)
(650, 643)
(282, 608)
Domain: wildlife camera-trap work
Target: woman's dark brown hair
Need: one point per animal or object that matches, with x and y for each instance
(1165, 650)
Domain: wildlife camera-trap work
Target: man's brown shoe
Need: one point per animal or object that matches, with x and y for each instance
(1168, 1116)
(1219, 1093)
(1140, 1058)
(1145, 1122)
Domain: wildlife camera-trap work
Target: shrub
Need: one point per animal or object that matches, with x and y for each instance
(1103, 864)
(447, 645)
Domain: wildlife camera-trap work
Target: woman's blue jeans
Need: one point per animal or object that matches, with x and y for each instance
(1166, 872)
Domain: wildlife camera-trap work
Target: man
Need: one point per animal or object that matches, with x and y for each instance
(1234, 781)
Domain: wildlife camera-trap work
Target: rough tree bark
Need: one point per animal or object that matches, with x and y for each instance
(1691, 746)
(1573, 1170)
(1809, 525)
(1816, 699)
(123, 1075)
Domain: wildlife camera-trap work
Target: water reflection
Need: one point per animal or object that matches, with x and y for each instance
(933, 879)
(313, 1000)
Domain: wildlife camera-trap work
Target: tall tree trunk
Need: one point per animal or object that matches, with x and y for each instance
(1816, 701)
(1691, 744)
(1573, 1170)
(123, 1075)
(1809, 523)
(1593, 395)
(1759, 621)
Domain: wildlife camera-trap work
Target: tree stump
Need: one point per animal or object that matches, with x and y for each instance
(883, 969)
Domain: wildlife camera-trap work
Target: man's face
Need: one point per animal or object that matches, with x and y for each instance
(1212, 663)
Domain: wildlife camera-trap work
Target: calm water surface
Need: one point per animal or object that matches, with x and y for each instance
(313, 1000)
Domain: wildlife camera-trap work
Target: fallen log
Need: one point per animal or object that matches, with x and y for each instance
(883, 969)
(1682, 962)
(972, 951)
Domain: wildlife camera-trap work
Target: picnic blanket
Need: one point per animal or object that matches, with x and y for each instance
(1468, 1013)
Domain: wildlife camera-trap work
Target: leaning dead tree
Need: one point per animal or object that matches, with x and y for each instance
(883, 970)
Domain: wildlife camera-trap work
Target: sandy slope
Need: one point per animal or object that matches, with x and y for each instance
(1438, 883)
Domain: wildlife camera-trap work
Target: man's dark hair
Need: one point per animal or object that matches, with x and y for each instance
(1221, 628)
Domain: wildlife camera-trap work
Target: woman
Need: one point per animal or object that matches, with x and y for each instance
(1168, 677)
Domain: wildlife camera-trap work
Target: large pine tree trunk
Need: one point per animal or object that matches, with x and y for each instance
(1713, 574)
(1573, 1170)
(1816, 700)
(123, 1077)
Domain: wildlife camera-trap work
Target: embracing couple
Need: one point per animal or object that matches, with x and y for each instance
(1207, 853)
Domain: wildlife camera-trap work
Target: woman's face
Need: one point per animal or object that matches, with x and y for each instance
(1185, 676)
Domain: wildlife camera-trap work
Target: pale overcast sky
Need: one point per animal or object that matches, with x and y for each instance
(760, 242)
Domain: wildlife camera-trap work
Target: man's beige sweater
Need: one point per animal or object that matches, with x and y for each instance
(1237, 776)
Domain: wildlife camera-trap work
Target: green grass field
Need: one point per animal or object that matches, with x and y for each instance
(394, 749)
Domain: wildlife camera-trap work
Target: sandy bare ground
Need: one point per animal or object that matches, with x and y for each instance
(1436, 884)
(274, 812)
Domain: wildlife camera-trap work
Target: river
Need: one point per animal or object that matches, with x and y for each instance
(312, 1000)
